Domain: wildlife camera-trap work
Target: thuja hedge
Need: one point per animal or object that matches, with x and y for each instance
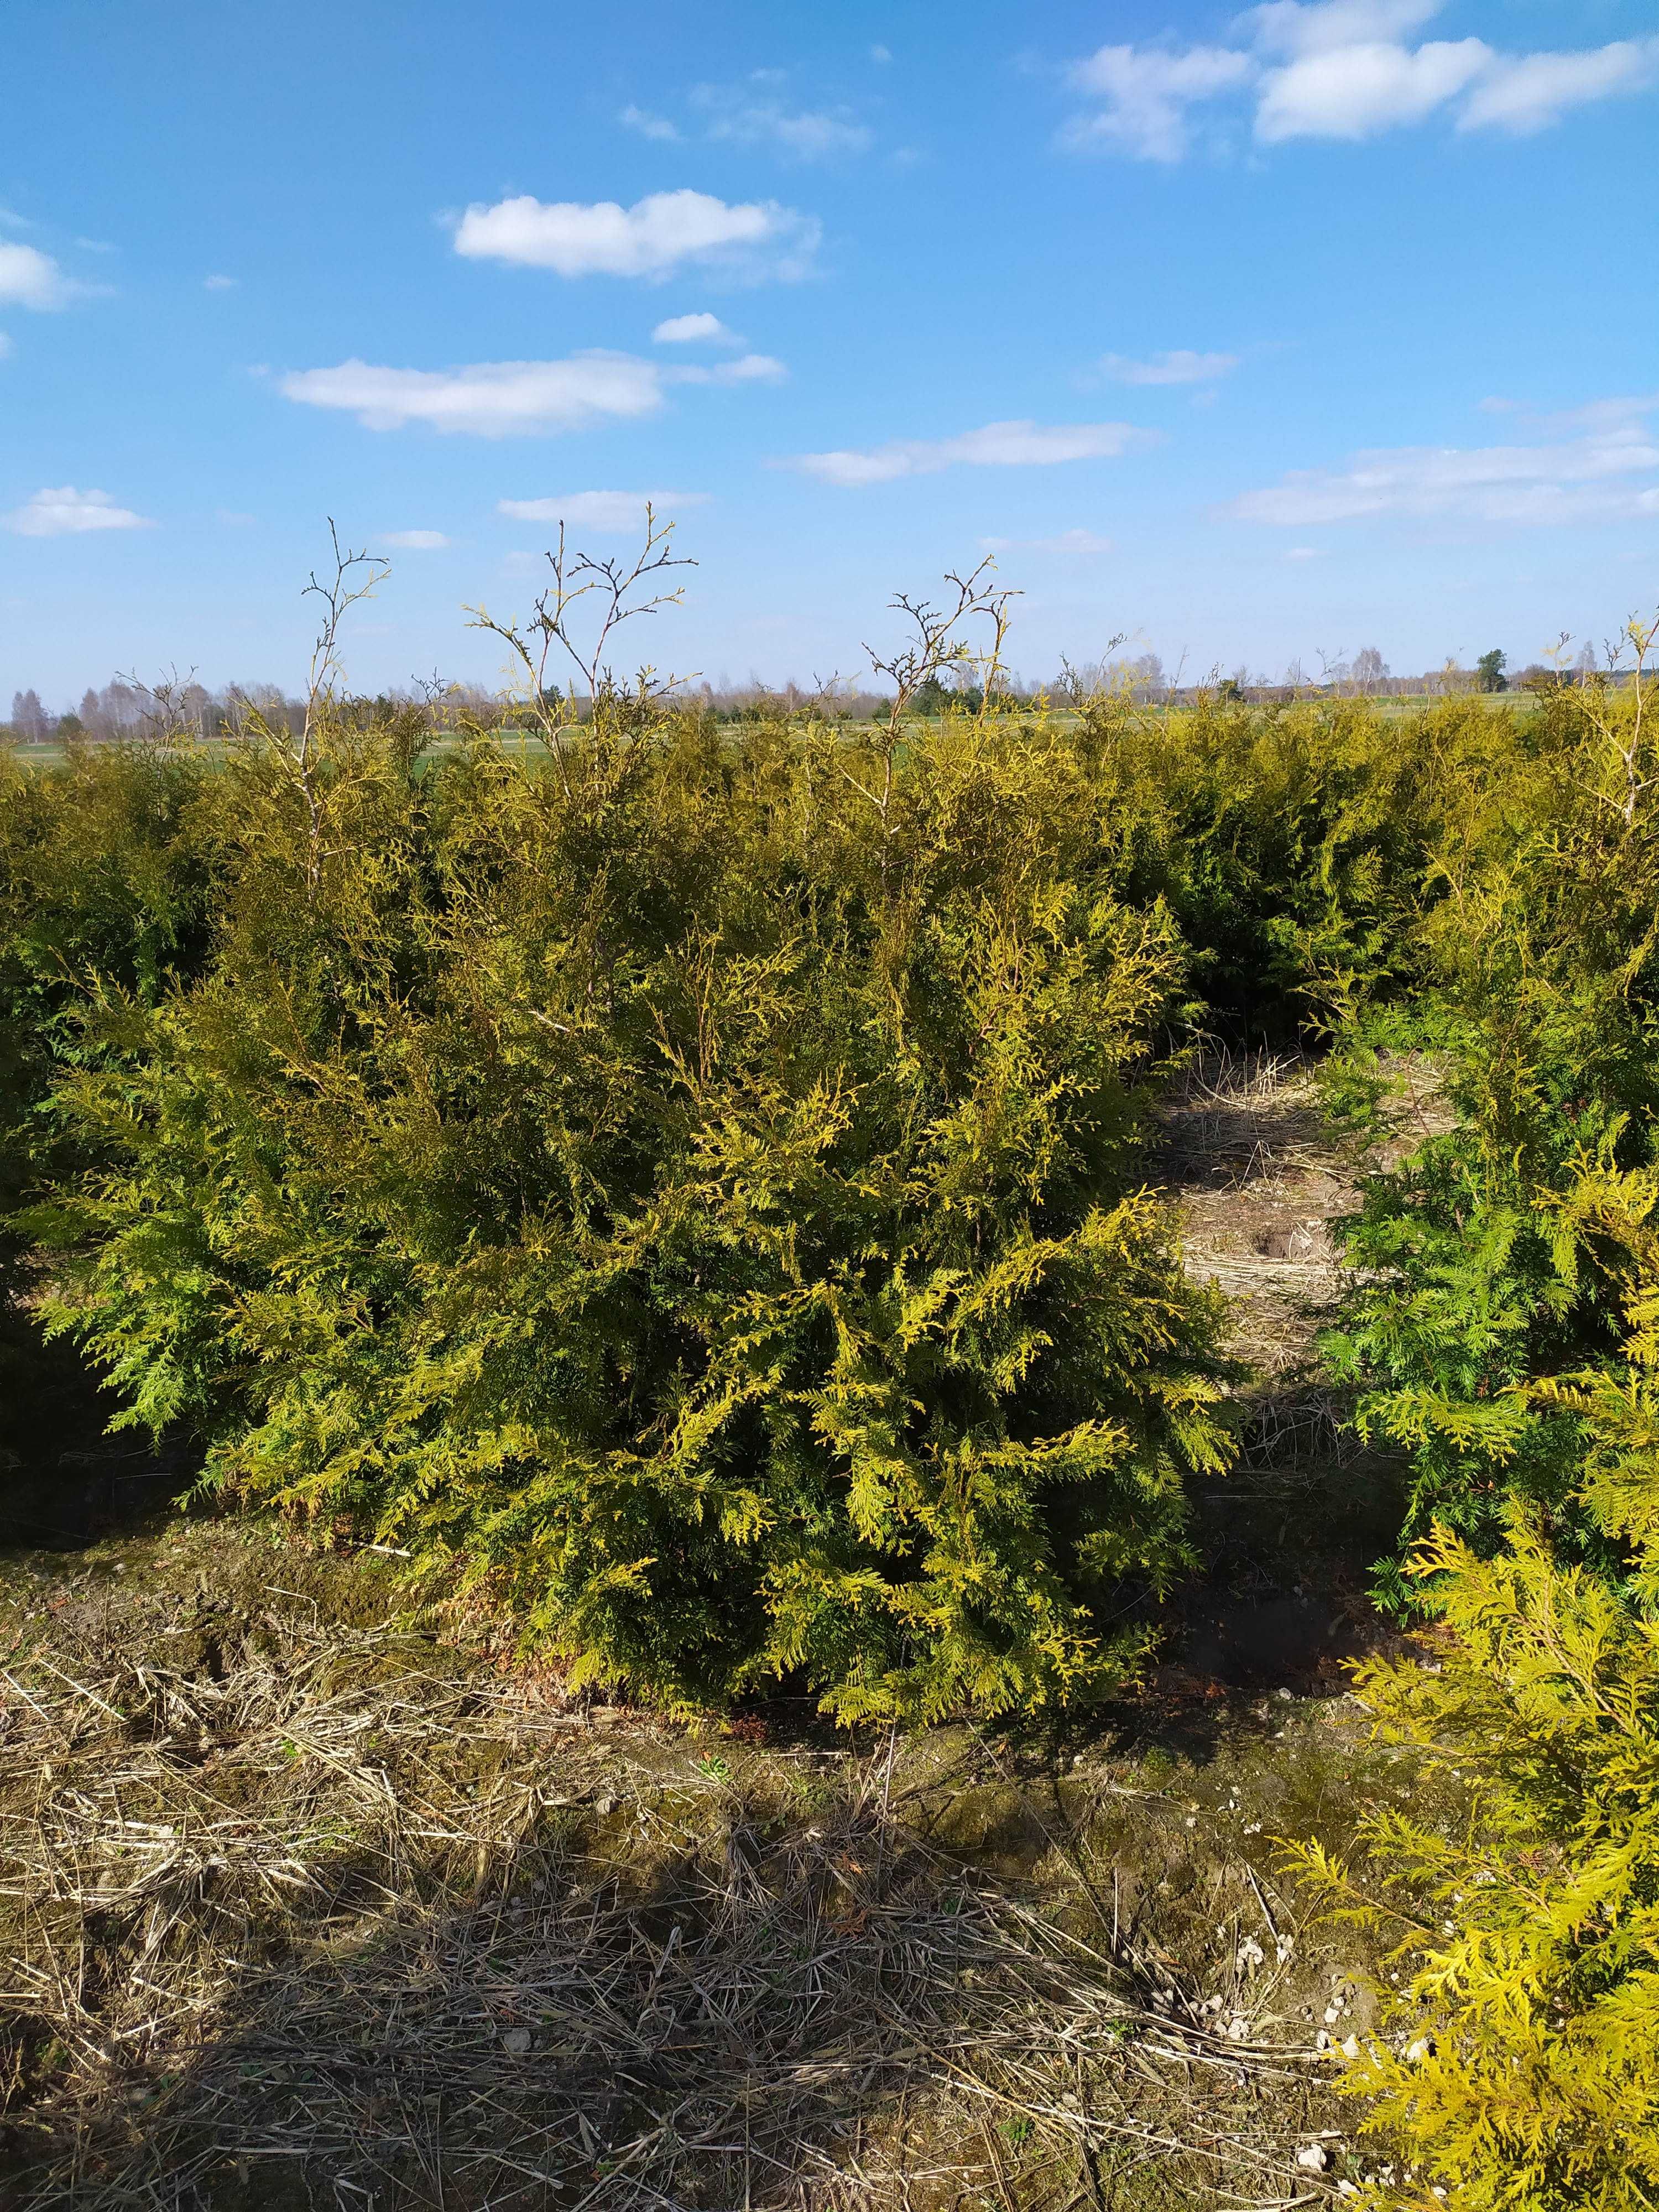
(694, 1188)
(1536, 995)
(697, 1192)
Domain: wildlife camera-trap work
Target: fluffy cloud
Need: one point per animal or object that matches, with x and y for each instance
(1181, 367)
(1352, 92)
(64, 511)
(610, 513)
(1317, 27)
(415, 541)
(694, 330)
(29, 278)
(663, 231)
(1341, 70)
(1147, 91)
(997, 445)
(1600, 462)
(1078, 543)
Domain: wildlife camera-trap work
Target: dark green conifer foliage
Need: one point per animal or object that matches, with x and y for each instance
(1540, 1000)
(1516, 2064)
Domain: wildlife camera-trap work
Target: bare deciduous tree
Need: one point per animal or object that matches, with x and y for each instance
(615, 587)
(1369, 670)
(941, 641)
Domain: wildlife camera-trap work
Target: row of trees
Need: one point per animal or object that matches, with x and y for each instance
(123, 708)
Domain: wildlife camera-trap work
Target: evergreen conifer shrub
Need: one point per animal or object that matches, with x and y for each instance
(1516, 2067)
(1540, 1000)
(697, 1191)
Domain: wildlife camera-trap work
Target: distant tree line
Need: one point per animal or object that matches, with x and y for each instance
(125, 706)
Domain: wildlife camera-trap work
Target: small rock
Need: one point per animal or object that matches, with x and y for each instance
(1418, 2051)
(1238, 2028)
(1313, 2158)
(1250, 1955)
(517, 2040)
(1351, 2047)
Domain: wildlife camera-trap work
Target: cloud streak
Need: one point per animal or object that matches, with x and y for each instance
(65, 512)
(997, 445)
(737, 118)
(666, 232)
(1180, 366)
(1077, 544)
(512, 399)
(612, 513)
(1608, 470)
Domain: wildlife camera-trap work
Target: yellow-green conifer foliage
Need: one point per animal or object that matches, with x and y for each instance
(695, 1188)
(1516, 2064)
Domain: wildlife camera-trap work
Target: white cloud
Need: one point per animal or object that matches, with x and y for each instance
(751, 368)
(415, 541)
(1295, 26)
(1352, 92)
(663, 231)
(997, 445)
(513, 399)
(1147, 91)
(29, 278)
(1305, 553)
(694, 330)
(805, 135)
(218, 284)
(1341, 70)
(611, 513)
(66, 511)
(1606, 466)
(1078, 543)
(490, 399)
(1529, 91)
(880, 54)
(1181, 367)
(648, 125)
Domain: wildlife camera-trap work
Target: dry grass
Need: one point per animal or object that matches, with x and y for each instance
(295, 1911)
(1258, 1179)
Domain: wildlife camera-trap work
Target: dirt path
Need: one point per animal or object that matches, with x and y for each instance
(1291, 1532)
(1259, 1179)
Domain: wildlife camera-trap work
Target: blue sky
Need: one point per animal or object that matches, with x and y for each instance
(1252, 336)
